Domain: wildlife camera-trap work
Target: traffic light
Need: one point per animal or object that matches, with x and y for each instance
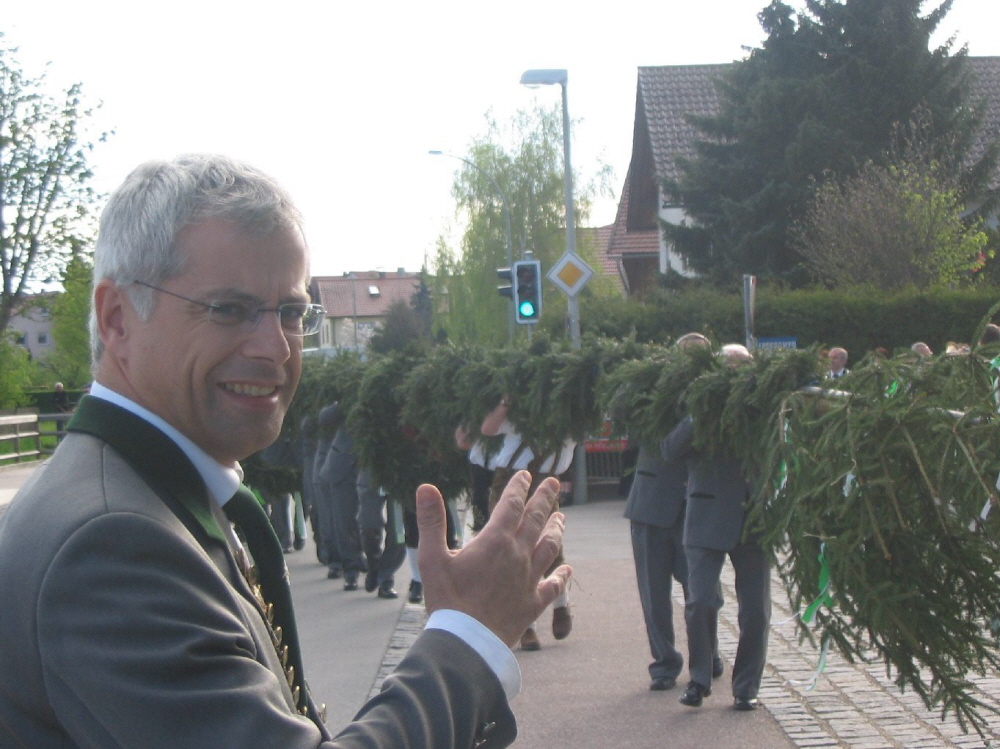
(527, 291)
(506, 288)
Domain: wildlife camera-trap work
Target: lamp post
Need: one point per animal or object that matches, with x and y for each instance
(550, 77)
(354, 306)
(506, 225)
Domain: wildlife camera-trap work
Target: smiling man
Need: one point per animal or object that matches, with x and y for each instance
(145, 598)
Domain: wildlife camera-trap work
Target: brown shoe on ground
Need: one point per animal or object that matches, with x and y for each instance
(562, 622)
(529, 640)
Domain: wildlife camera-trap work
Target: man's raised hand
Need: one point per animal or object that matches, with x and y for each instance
(497, 577)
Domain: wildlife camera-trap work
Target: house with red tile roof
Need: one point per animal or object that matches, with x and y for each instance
(357, 304)
(598, 239)
(665, 96)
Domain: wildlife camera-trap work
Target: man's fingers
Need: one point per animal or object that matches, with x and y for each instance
(554, 585)
(507, 514)
(540, 505)
(431, 523)
(549, 544)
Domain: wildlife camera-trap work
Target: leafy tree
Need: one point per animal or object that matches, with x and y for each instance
(70, 361)
(45, 192)
(525, 160)
(820, 98)
(892, 226)
(15, 372)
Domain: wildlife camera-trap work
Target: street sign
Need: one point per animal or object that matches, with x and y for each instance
(778, 342)
(570, 273)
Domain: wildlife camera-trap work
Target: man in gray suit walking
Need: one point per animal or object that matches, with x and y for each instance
(655, 509)
(718, 497)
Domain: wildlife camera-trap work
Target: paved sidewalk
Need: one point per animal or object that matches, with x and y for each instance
(11, 478)
(591, 690)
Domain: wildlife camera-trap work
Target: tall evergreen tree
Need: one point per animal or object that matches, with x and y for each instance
(821, 97)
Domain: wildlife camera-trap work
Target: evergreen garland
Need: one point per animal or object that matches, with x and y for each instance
(888, 479)
(398, 453)
(883, 474)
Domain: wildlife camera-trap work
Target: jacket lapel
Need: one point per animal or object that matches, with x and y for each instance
(152, 454)
(169, 472)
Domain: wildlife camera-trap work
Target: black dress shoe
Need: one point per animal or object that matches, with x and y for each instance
(744, 704)
(299, 544)
(334, 572)
(371, 580)
(385, 590)
(662, 683)
(716, 668)
(694, 694)
(416, 594)
(351, 581)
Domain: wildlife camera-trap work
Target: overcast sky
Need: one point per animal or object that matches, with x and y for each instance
(342, 101)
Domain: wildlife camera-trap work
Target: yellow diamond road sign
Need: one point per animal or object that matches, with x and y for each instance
(570, 273)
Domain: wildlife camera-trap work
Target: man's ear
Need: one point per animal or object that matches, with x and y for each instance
(109, 309)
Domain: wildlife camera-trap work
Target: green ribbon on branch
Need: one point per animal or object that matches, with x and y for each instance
(824, 598)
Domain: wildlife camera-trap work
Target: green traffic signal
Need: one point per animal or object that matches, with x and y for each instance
(527, 283)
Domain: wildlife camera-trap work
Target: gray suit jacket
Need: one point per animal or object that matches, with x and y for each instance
(339, 464)
(125, 622)
(717, 493)
(657, 493)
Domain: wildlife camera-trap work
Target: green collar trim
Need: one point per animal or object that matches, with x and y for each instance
(153, 455)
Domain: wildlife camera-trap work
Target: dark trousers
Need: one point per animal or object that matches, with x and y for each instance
(279, 508)
(382, 533)
(659, 559)
(753, 594)
(346, 532)
(326, 515)
(482, 479)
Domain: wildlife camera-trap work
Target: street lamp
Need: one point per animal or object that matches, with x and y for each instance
(550, 77)
(506, 225)
(533, 79)
(354, 306)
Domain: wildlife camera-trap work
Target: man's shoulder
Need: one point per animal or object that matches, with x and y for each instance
(85, 477)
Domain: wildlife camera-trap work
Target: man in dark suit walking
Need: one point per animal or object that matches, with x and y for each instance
(146, 601)
(718, 498)
(655, 509)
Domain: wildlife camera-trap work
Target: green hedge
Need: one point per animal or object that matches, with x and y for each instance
(858, 319)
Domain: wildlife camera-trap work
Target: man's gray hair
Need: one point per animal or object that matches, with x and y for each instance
(139, 226)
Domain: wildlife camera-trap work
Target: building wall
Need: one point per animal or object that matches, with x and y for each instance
(34, 332)
(668, 258)
(342, 332)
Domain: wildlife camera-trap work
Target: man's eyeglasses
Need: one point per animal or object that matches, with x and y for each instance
(296, 318)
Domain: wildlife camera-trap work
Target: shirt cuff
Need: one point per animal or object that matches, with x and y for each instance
(478, 637)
